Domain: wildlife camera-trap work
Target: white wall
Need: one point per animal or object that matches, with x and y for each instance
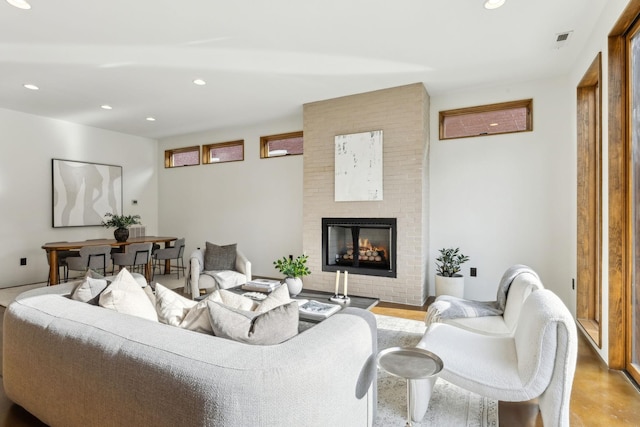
(507, 199)
(256, 203)
(29, 143)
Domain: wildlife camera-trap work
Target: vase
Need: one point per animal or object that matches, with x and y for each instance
(453, 286)
(121, 234)
(294, 284)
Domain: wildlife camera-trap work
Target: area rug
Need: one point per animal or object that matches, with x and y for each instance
(449, 406)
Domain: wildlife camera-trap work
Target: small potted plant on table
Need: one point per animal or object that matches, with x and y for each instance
(293, 269)
(121, 224)
(448, 279)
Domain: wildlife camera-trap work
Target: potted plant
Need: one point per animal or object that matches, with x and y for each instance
(293, 269)
(448, 279)
(121, 224)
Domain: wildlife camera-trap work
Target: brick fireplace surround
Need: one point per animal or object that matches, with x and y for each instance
(402, 113)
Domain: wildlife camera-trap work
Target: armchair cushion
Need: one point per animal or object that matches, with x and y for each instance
(219, 257)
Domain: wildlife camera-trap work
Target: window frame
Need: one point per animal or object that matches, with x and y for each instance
(264, 143)
(207, 148)
(488, 108)
(168, 156)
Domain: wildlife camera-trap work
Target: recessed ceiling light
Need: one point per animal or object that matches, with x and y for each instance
(199, 82)
(151, 119)
(20, 4)
(31, 86)
(106, 107)
(493, 4)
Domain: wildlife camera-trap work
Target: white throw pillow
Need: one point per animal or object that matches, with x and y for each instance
(277, 297)
(171, 307)
(232, 300)
(176, 310)
(125, 295)
(89, 290)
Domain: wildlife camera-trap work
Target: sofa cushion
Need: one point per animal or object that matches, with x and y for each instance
(90, 289)
(219, 257)
(269, 328)
(125, 295)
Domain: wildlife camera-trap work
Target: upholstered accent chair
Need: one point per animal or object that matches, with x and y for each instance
(97, 258)
(175, 252)
(135, 256)
(537, 361)
(216, 267)
(503, 324)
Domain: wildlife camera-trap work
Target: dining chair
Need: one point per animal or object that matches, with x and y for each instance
(62, 261)
(136, 255)
(91, 257)
(174, 252)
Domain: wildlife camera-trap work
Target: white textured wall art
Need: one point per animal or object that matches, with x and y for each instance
(358, 167)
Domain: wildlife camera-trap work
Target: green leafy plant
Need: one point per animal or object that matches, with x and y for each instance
(120, 221)
(449, 261)
(293, 267)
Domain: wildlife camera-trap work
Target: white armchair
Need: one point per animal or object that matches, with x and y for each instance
(537, 361)
(197, 278)
(522, 281)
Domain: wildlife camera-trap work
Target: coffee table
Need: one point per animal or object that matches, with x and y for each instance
(410, 363)
(365, 303)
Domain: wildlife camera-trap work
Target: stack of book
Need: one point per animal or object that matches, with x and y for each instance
(316, 310)
(261, 285)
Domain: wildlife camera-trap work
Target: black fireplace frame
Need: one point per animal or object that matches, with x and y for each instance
(357, 223)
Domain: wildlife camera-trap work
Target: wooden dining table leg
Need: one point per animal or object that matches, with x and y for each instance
(53, 267)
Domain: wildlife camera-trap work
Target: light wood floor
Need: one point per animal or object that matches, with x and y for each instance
(599, 397)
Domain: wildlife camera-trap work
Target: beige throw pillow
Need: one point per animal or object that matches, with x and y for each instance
(125, 295)
(269, 328)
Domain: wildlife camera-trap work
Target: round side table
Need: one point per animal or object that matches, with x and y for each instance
(410, 363)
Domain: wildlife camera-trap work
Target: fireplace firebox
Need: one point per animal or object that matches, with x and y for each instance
(360, 245)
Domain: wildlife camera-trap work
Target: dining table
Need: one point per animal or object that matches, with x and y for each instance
(54, 247)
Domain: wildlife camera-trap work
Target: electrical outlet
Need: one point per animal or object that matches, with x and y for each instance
(473, 272)
(23, 261)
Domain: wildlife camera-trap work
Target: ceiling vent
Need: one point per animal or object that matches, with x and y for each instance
(562, 39)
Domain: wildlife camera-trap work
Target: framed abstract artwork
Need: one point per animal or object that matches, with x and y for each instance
(358, 167)
(83, 192)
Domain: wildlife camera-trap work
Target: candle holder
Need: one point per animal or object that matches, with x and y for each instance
(340, 299)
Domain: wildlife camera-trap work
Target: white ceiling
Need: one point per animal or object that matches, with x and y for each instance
(263, 60)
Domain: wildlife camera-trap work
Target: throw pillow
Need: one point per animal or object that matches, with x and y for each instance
(277, 297)
(232, 300)
(125, 295)
(176, 310)
(269, 328)
(171, 307)
(90, 289)
(219, 257)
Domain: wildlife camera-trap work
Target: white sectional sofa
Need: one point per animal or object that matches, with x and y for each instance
(73, 364)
